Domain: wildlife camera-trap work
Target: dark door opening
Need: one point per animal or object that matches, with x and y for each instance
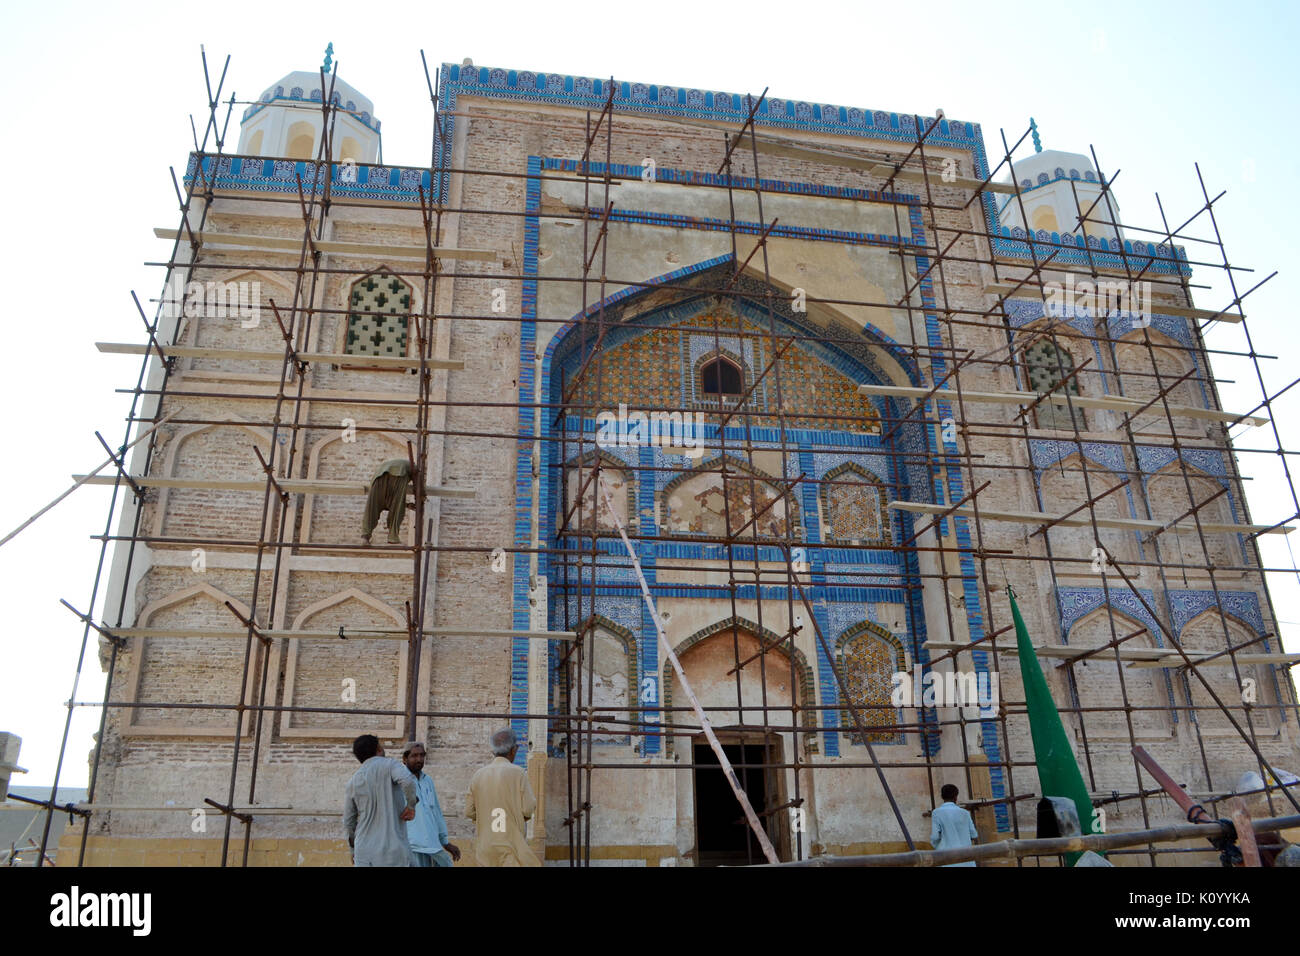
(722, 834)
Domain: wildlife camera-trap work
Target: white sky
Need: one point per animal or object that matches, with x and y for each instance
(97, 108)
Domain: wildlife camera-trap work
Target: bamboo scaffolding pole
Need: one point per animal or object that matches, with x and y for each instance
(342, 633)
(1134, 524)
(90, 478)
(333, 247)
(1116, 403)
(1016, 849)
(293, 486)
(1135, 656)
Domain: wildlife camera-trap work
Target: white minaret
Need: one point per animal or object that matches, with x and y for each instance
(1049, 182)
(286, 121)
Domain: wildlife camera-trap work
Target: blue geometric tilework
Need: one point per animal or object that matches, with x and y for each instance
(851, 574)
(626, 612)
(395, 183)
(1151, 458)
(1020, 312)
(519, 646)
(835, 599)
(878, 465)
(1045, 452)
(1077, 603)
(1243, 605)
(591, 93)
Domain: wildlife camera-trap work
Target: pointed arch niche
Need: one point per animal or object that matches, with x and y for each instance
(594, 513)
(1145, 371)
(699, 502)
(235, 312)
(609, 680)
(855, 508)
(707, 655)
(1208, 633)
(188, 670)
(1050, 353)
(315, 670)
(1097, 682)
(205, 451)
(336, 519)
(1062, 485)
(868, 656)
(1167, 492)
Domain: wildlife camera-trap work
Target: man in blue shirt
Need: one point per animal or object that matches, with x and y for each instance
(428, 831)
(951, 826)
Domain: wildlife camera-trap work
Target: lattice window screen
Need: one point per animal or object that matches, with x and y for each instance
(378, 322)
(1046, 365)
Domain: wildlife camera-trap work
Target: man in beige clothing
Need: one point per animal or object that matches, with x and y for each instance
(502, 794)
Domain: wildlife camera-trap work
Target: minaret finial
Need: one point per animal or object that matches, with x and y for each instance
(329, 56)
(1033, 131)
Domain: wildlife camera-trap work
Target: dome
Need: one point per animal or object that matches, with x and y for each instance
(286, 122)
(1055, 186)
(1051, 165)
(305, 86)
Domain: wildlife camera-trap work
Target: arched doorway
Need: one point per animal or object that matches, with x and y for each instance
(754, 709)
(723, 836)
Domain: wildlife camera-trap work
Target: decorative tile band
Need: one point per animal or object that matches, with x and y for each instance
(588, 93)
(397, 183)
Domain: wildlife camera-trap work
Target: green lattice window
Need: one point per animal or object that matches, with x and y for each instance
(868, 662)
(1046, 366)
(379, 316)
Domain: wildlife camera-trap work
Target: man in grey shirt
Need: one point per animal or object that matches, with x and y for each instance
(380, 799)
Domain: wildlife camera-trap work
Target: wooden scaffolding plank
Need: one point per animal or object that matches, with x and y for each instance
(1114, 402)
(1133, 656)
(333, 358)
(1081, 519)
(292, 244)
(359, 634)
(1054, 650)
(1174, 660)
(315, 486)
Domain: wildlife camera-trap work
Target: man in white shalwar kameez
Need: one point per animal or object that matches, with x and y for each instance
(500, 801)
(381, 797)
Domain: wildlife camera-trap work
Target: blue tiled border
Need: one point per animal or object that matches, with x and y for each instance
(822, 594)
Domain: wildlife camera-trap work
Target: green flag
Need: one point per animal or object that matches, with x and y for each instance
(1058, 772)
